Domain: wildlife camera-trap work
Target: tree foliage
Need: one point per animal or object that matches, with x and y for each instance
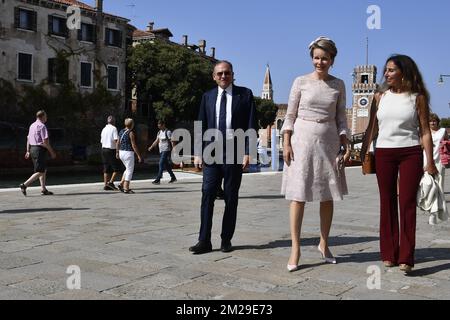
(173, 78)
(266, 112)
(66, 107)
(445, 123)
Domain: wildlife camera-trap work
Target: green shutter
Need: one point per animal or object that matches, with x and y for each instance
(107, 31)
(50, 24)
(119, 38)
(34, 20)
(16, 17)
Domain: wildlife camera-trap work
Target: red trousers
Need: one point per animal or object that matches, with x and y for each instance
(398, 237)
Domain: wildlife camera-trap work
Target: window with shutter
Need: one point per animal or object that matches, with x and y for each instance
(86, 74)
(25, 66)
(57, 26)
(16, 17)
(113, 38)
(113, 77)
(25, 19)
(58, 70)
(86, 33)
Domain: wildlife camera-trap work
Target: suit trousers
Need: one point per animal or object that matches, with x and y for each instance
(212, 177)
(398, 240)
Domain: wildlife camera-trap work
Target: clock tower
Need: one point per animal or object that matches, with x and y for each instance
(363, 88)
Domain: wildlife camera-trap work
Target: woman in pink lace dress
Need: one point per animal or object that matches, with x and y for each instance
(315, 139)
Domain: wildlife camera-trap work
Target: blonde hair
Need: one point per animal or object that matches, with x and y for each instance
(129, 123)
(325, 44)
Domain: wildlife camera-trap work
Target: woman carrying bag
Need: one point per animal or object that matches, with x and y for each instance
(402, 121)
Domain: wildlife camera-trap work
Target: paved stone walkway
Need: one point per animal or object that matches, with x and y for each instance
(136, 246)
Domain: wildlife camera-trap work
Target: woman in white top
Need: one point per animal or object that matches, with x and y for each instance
(438, 135)
(402, 122)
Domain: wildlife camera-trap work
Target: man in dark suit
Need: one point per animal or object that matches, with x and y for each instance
(225, 108)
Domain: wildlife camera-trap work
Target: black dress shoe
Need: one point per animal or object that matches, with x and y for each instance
(201, 247)
(226, 247)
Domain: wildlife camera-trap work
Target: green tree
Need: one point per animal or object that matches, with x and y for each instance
(8, 101)
(445, 123)
(266, 112)
(173, 78)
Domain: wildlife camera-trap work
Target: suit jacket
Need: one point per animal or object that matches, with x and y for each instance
(243, 111)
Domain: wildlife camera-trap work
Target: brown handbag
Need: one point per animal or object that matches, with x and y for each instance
(368, 164)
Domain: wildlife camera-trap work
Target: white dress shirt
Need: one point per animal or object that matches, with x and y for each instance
(229, 110)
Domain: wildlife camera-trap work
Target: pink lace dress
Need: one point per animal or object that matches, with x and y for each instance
(317, 116)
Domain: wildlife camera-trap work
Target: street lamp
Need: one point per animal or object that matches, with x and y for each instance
(441, 78)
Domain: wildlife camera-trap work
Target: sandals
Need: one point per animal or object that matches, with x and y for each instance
(124, 190)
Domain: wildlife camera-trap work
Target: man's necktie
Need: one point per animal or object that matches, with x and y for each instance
(223, 114)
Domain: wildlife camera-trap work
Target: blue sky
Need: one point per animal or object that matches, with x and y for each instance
(252, 33)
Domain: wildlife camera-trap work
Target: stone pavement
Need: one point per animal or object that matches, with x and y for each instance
(136, 246)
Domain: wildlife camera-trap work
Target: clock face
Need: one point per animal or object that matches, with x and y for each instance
(363, 102)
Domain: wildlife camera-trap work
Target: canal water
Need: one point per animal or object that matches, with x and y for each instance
(92, 174)
(70, 176)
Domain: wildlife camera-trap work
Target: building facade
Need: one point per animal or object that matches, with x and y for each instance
(37, 47)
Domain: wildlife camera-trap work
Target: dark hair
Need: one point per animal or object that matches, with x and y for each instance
(223, 61)
(412, 78)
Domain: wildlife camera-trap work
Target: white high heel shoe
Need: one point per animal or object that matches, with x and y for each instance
(331, 259)
(292, 267)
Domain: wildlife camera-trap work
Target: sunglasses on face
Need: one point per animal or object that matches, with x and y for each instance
(224, 73)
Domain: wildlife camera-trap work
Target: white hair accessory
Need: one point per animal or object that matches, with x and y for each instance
(317, 40)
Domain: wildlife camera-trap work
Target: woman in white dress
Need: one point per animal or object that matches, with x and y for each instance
(438, 135)
(315, 146)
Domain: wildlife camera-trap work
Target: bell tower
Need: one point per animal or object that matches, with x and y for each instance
(267, 93)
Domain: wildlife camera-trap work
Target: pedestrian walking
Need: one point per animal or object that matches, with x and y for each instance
(165, 144)
(111, 165)
(38, 147)
(126, 148)
(401, 115)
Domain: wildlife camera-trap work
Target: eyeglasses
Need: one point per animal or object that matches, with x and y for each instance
(223, 73)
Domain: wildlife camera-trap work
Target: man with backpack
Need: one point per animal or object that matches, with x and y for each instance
(165, 144)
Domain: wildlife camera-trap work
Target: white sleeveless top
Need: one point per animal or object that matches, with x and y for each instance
(397, 121)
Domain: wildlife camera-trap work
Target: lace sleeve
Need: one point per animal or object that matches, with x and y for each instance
(341, 111)
(294, 101)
